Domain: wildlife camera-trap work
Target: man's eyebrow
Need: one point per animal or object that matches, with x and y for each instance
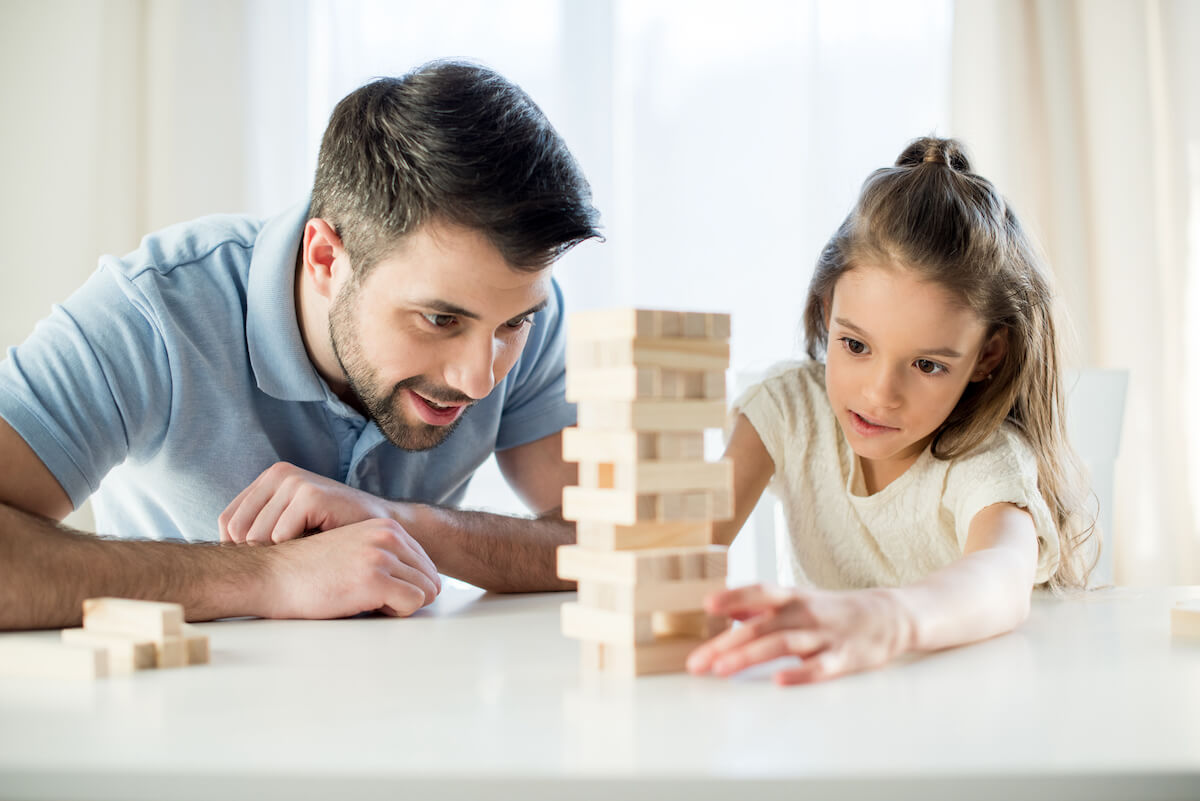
(949, 353)
(444, 307)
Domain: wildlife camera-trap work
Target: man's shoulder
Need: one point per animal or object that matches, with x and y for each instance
(215, 240)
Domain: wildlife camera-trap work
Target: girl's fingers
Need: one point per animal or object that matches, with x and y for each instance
(746, 601)
(787, 642)
(818, 667)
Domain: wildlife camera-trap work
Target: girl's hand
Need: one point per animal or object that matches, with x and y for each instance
(833, 633)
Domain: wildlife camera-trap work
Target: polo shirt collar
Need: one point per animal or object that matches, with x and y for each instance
(278, 357)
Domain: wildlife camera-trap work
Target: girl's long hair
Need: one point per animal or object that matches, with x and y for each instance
(931, 214)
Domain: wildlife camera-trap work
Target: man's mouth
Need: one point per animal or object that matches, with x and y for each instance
(435, 413)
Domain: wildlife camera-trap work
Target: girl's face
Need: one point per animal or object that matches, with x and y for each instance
(901, 352)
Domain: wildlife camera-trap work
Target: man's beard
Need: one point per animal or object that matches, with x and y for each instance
(384, 409)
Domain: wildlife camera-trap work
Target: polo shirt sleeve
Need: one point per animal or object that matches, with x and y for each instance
(91, 385)
(536, 405)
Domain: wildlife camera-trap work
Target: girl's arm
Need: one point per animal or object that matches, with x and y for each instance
(752, 471)
(983, 594)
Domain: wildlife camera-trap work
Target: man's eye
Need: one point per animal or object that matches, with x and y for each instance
(439, 320)
(854, 346)
(519, 322)
(928, 367)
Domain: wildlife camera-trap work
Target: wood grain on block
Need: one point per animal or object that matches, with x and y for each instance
(640, 383)
(652, 565)
(197, 644)
(600, 625)
(1185, 619)
(150, 619)
(41, 658)
(657, 477)
(616, 537)
(125, 654)
(679, 353)
(627, 507)
(652, 415)
(625, 446)
(666, 596)
(623, 323)
(641, 659)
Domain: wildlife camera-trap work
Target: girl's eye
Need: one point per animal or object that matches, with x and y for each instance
(854, 346)
(439, 320)
(928, 367)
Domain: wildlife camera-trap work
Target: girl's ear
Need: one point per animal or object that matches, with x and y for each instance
(993, 352)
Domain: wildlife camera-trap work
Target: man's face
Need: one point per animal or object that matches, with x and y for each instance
(432, 329)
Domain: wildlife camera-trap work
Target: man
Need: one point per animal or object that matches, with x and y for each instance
(338, 371)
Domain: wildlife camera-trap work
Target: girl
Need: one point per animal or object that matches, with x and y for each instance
(922, 451)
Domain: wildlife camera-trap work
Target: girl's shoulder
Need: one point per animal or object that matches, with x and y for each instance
(1006, 453)
(783, 384)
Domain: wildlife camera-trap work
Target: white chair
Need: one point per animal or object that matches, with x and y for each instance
(1095, 414)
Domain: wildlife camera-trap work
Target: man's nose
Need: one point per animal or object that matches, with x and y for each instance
(472, 369)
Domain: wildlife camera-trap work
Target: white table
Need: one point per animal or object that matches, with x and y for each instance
(480, 697)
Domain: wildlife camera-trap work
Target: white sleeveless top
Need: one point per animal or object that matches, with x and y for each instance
(843, 538)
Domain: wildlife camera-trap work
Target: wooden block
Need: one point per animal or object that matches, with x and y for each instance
(615, 445)
(657, 477)
(652, 415)
(627, 507)
(615, 537)
(634, 383)
(171, 651)
(665, 596)
(678, 353)
(197, 645)
(39, 658)
(125, 654)
(700, 625)
(624, 323)
(658, 564)
(600, 625)
(1185, 619)
(149, 619)
(664, 656)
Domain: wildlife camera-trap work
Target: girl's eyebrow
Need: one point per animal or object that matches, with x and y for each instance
(949, 353)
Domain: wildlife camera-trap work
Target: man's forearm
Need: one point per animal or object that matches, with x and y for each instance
(47, 570)
(496, 552)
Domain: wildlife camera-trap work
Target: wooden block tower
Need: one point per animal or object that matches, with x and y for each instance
(646, 384)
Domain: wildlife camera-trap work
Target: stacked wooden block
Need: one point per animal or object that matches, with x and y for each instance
(118, 636)
(646, 384)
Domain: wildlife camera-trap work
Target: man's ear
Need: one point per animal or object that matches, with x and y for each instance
(324, 259)
(993, 352)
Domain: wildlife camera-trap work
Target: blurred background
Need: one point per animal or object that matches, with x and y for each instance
(724, 143)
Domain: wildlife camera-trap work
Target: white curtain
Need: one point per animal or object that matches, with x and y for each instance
(1087, 114)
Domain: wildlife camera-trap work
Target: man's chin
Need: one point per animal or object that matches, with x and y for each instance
(420, 437)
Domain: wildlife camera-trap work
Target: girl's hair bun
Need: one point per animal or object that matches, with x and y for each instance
(930, 149)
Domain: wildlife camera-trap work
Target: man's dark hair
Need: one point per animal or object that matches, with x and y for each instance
(455, 142)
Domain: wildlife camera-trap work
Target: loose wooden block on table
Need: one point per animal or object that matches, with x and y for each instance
(636, 383)
(1185, 619)
(615, 445)
(627, 322)
(679, 354)
(196, 643)
(125, 654)
(656, 477)
(601, 536)
(627, 507)
(652, 565)
(38, 658)
(150, 619)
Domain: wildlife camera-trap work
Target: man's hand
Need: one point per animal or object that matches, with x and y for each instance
(285, 503)
(833, 633)
(369, 566)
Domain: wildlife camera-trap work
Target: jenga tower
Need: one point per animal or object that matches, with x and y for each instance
(647, 384)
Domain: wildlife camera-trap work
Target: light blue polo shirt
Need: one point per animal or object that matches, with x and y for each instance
(177, 374)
